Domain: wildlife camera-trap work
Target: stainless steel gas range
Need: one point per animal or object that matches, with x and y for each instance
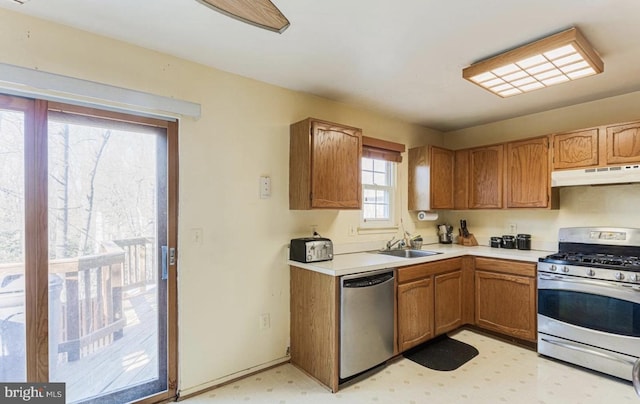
(589, 299)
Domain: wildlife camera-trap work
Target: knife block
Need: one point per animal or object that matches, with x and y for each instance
(468, 241)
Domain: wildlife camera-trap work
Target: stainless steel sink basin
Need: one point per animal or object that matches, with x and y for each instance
(408, 253)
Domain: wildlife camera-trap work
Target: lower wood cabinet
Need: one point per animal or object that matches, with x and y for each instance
(433, 298)
(448, 302)
(505, 297)
(315, 325)
(415, 313)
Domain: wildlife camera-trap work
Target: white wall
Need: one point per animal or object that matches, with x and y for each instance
(239, 271)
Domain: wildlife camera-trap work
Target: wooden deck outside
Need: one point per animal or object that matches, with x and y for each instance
(105, 310)
(128, 361)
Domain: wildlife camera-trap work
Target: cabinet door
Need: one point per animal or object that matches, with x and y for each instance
(575, 149)
(415, 313)
(448, 302)
(461, 180)
(441, 178)
(485, 177)
(335, 168)
(418, 177)
(528, 173)
(623, 144)
(506, 304)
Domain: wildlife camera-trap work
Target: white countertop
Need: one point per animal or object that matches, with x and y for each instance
(346, 264)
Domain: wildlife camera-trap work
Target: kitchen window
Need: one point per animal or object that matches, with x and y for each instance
(379, 172)
(378, 188)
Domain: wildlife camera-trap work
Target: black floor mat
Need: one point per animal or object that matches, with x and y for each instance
(442, 353)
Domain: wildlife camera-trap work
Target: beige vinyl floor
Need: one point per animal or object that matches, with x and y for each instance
(501, 373)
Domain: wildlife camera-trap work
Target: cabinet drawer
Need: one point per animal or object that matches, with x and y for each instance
(414, 272)
(506, 266)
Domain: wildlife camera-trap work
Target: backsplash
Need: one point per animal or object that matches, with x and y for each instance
(610, 205)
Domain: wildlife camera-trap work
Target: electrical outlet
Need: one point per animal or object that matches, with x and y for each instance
(513, 228)
(265, 321)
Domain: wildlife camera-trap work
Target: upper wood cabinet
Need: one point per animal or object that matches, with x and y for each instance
(324, 165)
(442, 163)
(575, 149)
(461, 180)
(528, 173)
(623, 143)
(597, 147)
(418, 176)
(486, 177)
(430, 178)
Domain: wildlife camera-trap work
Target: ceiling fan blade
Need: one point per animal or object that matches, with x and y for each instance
(261, 13)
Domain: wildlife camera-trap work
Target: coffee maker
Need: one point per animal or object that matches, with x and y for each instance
(445, 234)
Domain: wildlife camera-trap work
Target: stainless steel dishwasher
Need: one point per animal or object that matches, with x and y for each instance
(366, 321)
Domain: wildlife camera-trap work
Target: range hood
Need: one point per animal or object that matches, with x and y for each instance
(596, 176)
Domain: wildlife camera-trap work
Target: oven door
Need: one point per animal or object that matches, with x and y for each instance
(589, 322)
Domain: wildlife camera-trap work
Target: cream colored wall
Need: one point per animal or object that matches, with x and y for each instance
(239, 271)
(579, 206)
(621, 108)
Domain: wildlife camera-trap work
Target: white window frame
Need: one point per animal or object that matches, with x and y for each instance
(387, 223)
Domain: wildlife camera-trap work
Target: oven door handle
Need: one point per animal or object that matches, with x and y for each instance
(576, 347)
(582, 281)
(603, 288)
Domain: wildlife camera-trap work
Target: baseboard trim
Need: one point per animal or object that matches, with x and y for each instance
(214, 384)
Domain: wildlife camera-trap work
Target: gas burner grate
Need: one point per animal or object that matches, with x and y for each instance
(603, 260)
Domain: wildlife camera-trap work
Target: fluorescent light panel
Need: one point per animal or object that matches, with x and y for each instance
(559, 58)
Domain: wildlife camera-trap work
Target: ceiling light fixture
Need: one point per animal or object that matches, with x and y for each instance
(261, 13)
(556, 59)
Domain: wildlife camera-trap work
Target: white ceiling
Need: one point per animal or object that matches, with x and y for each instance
(400, 57)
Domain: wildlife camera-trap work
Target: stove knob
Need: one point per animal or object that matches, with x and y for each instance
(591, 272)
(553, 268)
(636, 278)
(619, 276)
(565, 269)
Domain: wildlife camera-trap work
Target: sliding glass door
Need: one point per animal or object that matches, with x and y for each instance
(14, 114)
(110, 234)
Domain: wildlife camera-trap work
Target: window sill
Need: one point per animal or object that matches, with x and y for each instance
(377, 230)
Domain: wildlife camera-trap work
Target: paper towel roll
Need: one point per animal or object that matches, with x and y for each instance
(423, 216)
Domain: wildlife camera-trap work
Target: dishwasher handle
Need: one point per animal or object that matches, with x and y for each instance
(367, 281)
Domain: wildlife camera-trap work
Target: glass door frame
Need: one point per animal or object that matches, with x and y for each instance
(36, 232)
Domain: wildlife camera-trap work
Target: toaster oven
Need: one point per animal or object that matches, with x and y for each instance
(311, 249)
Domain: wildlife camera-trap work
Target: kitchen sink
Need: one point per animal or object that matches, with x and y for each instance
(408, 253)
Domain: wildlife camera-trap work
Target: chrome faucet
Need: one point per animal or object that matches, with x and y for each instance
(391, 243)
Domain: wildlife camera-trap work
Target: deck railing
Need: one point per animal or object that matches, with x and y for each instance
(86, 305)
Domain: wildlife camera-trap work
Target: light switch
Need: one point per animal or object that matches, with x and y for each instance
(196, 236)
(265, 187)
